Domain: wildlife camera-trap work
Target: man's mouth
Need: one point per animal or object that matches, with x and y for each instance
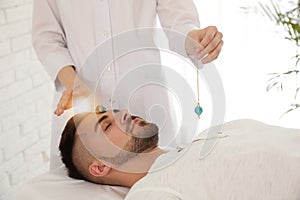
(137, 121)
(135, 118)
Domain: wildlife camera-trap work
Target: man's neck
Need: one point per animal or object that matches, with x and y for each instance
(138, 167)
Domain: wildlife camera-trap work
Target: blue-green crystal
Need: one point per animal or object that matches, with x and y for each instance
(198, 110)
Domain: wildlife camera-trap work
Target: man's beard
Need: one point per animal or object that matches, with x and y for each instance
(136, 146)
(139, 145)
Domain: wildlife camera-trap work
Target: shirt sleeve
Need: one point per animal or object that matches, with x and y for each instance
(48, 38)
(178, 18)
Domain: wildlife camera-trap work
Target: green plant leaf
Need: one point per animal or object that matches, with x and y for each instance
(293, 107)
(286, 112)
(296, 93)
(270, 86)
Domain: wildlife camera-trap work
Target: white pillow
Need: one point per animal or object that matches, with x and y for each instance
(56, 185)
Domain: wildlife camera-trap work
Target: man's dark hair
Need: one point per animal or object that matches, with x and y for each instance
(67, 144)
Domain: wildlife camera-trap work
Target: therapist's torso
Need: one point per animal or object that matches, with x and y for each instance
(81, 26)
(87, 24)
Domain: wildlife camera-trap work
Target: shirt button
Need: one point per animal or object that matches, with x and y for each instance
(108, 67)
(105, 34)
(110, 100)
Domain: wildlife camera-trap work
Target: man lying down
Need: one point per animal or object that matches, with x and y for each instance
(249, 161)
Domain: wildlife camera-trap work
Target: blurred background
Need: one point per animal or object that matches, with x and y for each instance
(254, 48)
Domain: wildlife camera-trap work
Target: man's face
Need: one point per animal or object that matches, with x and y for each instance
(116, 136)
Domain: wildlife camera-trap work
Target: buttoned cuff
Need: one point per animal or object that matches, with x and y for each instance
(178, 43)
(188, 27)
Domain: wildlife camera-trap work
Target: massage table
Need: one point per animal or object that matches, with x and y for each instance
(56, 185)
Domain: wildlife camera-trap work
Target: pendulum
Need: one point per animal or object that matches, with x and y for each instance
(198, 109)
(100, 109)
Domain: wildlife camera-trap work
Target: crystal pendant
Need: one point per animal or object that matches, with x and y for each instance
(100, 109)
(198, 110)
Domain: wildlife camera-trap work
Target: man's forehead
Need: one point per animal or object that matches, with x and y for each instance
(87, 117)
(90, 120)
(85, 125)
(91, 116)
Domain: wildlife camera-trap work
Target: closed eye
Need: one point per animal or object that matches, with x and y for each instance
(107, 127)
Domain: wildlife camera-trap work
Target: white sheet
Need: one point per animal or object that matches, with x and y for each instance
(248, 141)
(56, 185)
(251, 161)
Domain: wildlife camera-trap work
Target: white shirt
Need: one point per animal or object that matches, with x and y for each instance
(251, 160)
(66, 32)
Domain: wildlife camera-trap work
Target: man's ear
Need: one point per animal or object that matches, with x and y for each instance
(98, 169)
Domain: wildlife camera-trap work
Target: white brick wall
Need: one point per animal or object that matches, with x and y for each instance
(25, 100)
(4, 48)
(21, 42)
(19, 12)
(7, 78)
(10, 3)
(2, 17)
(1, 157)
(4, 181)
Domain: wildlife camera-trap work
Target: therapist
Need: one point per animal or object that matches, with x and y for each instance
(65, 32)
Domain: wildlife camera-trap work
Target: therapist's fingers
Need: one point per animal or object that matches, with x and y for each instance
(214, 43)
(204, 43)
(209, 42)
(214, 54)
(64, 103)
(206, 35)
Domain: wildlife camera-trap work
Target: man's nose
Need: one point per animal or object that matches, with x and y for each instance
(125, 115)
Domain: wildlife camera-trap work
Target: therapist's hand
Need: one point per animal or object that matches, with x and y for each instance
(74, 88)
(206, 43)
(80, 90)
